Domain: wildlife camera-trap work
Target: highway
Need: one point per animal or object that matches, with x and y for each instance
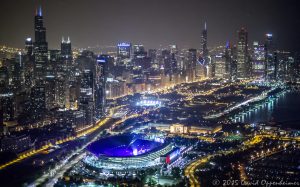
(20, 158)
(24, 156)
(190, 170)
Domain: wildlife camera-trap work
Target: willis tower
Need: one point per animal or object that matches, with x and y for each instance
(40, 47)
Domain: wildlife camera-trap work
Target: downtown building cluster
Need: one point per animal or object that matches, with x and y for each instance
(134, 69)
(53, 87)
(43, 87)
(259, 60)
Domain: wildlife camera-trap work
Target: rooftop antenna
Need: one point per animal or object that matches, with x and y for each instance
(40, 11)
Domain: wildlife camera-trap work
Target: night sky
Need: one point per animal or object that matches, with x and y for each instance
(152, 22)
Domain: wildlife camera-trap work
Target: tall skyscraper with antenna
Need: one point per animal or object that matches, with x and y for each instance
(201, 66)
(204, 49)
(40, 47)
(207, 67)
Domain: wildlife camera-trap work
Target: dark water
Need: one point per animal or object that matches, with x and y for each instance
(284, 110)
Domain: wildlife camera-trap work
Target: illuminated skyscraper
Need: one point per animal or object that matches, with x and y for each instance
(100, 85)
(220, 69)
(242, 54)
(61, 90)
(233, 66)
(29, 46)
(28, 68)
(124, 54)
(271, 66)
(92, 85)
(124, 50)
(202, 66)
(86, 102)
(38, 101)
(66, 49)
(228, 61)
(286, 64)
(139, 51)
(173, 49)
(50, 82)
(258, 59)
(191, 64)
(204, 49)
(40, 46)
(67, 73)
(17, 74)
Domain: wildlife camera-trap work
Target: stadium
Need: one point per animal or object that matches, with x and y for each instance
(126, 152)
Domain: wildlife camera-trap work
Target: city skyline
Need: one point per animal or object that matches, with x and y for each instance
(153, 23)
(216, 112)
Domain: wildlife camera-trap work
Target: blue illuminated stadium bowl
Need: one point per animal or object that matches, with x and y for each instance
(122, 146)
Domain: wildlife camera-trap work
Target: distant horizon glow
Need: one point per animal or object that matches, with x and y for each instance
(131, 21)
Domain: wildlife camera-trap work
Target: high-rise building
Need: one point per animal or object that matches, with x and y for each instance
(191, 64)
(167, 62)
(271, 64)
(124, 50)
(139, 51)
(4, 77)
(138, 48)
(202, 68)
(61, 91)
(17, 74)
(40, 47)
(66, 49)
(152, 54)
(228, 61)
(50, 83)
(109, 62)
(204, 49)
(220, 68)
(173, 49)
(258, 59)
(87, 70)
(233, 66)
(242, 54)
(65, 73)
(29, 46)
(286, 64)
(100, 86)
(86, 102)
(37, 101)
(28, 68)
(7, 104)
(140, 59)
